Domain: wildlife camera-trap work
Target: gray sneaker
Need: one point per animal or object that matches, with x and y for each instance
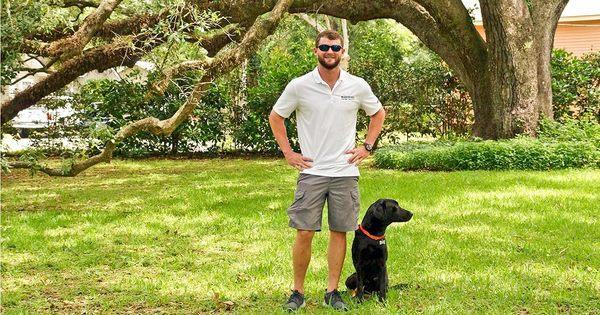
(334, 299)
(295, 302)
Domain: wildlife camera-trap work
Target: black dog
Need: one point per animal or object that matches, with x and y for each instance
(369, 250)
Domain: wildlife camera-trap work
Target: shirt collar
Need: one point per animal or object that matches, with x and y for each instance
(318, 79)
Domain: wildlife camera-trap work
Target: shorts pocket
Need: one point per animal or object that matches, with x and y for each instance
(298, 200)
(355, 200)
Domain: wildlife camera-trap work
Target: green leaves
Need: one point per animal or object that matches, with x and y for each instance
(285, 55)
(18, 20)
(575, 144)
(585, 129)
(420, 94)
(33, 158)
(575, 85)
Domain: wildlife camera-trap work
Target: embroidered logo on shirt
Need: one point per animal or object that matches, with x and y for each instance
(347, 97)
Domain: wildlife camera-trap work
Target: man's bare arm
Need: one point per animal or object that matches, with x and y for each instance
(296, 160)
(375, 125)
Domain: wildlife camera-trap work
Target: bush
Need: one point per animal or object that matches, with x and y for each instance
(102, 107)
(286, 55)
(575, 85)
(419, 92)
(570, 145)
(584, 129)
(519, 154)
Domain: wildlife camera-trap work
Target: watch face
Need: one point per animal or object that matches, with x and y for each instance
(368, 146)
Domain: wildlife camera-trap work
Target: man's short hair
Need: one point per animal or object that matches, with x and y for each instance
(331, 35)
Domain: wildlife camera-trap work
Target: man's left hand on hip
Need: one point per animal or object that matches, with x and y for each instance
(358, 154)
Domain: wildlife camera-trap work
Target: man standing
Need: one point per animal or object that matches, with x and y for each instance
(326, 101)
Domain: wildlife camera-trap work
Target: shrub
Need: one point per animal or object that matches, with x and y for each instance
(575, 85)
(569, 145)
(419, 92)
(584, 129)
(521, 154)
(102, 107)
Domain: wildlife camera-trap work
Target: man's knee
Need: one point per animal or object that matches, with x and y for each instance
(337, 234)
(305, 235)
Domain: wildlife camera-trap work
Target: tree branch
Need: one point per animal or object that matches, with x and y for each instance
(223, 62)
(312, 22)
(74, 44)
(212, 43)
(102, 58)
(82, 4)
(99, 58)
(109, 29)
(454, 18)
(466, 60)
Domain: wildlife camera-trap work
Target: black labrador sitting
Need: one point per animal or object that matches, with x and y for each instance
(369, 250)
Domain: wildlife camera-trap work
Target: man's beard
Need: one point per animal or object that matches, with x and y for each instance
(329, 66)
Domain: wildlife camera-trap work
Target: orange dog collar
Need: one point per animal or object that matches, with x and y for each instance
(373, 237)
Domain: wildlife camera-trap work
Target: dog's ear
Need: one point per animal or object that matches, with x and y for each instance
(379, 211)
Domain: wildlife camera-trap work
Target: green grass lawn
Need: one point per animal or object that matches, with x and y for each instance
(199, 236)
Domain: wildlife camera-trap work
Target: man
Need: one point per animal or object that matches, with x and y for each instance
(326, 102)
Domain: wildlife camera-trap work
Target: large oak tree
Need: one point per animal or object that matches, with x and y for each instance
(507, 75)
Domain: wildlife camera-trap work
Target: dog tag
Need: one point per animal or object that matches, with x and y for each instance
(382, 242)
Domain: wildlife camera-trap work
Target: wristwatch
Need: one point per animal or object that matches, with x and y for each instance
(368, 146)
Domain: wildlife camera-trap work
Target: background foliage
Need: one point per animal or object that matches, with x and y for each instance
(572, 144)
(575, 85)
(422, 97)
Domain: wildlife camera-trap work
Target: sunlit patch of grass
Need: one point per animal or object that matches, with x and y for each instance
(199, 236)
(12, 259)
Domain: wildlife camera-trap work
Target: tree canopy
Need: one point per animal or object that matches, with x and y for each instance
(507, 75)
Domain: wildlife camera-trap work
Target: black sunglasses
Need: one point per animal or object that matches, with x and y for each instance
(325, 48)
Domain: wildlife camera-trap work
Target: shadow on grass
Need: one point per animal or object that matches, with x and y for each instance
(167, 236)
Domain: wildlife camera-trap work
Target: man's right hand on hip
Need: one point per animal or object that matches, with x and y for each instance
(298, 161)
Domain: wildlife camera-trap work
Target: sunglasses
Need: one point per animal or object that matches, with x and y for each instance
(325, 48)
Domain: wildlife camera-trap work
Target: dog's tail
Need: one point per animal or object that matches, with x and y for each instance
(352, 282)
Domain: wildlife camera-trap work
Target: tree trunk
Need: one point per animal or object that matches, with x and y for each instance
(516, 88)
(174, 143)
(545, 20)
(512, 79)
(344, 64)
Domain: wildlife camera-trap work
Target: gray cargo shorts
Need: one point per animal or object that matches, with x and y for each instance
(343, 203)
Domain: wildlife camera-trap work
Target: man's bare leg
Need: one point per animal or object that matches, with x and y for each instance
(301, 257)
(336, 253)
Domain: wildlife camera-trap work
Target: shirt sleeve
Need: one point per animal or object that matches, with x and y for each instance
(368, 101)
(288, 101)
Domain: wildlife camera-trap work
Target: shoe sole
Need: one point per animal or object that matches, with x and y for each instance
(341, 309)
(299, 307)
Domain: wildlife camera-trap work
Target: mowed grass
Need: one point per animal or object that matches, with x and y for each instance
(204, 236)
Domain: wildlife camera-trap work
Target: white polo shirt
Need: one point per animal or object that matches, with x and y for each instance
(326, 119)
